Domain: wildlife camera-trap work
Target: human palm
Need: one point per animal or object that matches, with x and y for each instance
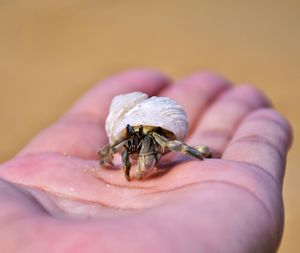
(55, 197)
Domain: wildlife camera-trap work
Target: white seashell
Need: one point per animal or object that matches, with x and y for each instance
(137, 108)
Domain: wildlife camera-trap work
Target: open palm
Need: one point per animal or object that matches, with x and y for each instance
(55, 197)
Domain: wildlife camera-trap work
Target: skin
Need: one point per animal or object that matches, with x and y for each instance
(55, 197)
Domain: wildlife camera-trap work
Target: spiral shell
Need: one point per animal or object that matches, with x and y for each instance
(137, 108)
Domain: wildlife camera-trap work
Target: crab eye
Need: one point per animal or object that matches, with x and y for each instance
(130, 129)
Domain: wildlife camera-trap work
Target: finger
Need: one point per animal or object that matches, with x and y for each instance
(196, 92)
(221, 119)
(80, 131)
(263, 140)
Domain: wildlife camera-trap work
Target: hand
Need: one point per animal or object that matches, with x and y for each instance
(55, 197)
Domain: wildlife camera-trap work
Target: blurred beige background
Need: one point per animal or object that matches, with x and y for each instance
(52, 51)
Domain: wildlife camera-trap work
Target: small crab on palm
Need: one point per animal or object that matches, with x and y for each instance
(145, 129)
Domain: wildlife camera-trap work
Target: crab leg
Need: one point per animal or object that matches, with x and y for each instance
(126, 163)
(199, 152)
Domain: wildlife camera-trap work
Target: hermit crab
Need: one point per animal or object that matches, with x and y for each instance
(145, 128)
